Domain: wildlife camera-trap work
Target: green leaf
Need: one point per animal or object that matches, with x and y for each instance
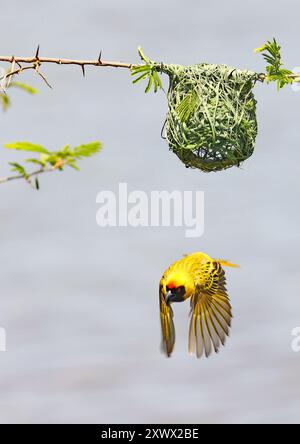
(24, 87)
(142, 55)
(260, 49)
(73, 165)
(187, 106)
(142, 76)
(17, 168)
(52, 159)
(26, 146)
(86, 150)
(157, 81)
(66, 149)
(147, 71)
(150, 81)
(275, 72)
(5, 101)
(44, 158)
(137, 70)
(35, 162)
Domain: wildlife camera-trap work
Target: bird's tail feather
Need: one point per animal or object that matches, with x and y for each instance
(168, 332)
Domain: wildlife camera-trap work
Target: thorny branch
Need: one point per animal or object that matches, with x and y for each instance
(36, 62)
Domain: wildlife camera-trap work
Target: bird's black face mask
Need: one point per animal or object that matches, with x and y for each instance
(175, 294)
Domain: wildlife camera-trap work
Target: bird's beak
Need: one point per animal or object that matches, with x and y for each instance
(168, 296)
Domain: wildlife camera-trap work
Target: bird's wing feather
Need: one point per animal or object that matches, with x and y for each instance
(210, 311)
(167, 325)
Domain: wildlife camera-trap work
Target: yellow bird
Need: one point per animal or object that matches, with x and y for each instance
(202, 279)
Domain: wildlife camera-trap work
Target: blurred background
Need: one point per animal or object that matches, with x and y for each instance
(80, 303)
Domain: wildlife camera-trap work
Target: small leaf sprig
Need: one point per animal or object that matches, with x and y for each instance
(48, 161)
(275, 71)
(147, 71)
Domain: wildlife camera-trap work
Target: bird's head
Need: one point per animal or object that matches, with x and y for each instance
(178, 286)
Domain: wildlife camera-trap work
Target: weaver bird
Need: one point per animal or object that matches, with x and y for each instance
(202, 279)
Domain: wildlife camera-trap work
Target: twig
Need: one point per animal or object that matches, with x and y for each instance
(17, 71)
(30, 175)
(262, 77)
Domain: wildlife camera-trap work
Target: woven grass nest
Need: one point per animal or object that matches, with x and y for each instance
(211, 124)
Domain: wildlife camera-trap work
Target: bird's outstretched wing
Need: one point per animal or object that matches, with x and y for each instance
(167, 325)
(210, 311)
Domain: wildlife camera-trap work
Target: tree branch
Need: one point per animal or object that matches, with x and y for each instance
(35, 63)
(36, 60)
(296, 77)
(30, 175)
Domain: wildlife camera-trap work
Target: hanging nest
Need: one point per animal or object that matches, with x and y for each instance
(211, 124)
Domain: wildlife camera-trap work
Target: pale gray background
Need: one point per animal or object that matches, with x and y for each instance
(79, 303)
